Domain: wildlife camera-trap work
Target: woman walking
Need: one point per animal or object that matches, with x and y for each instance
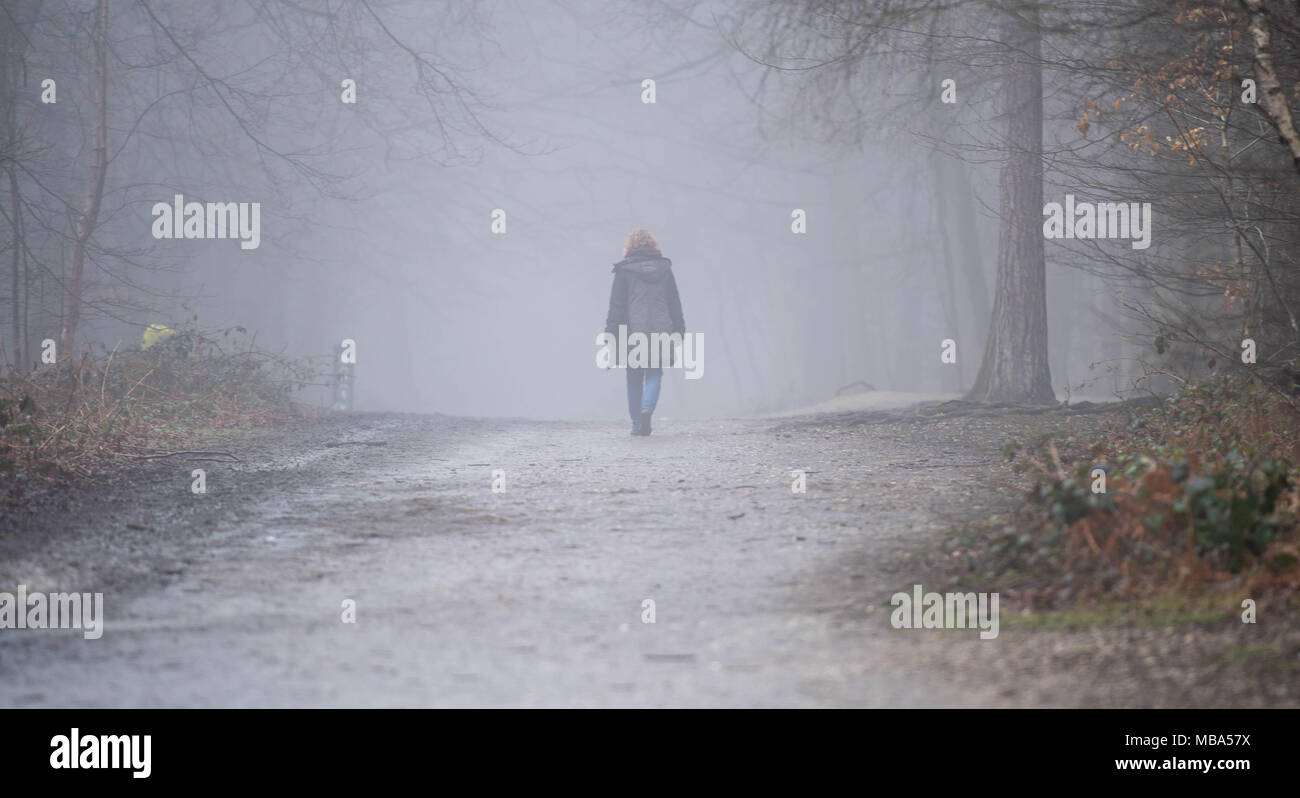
(643, 300)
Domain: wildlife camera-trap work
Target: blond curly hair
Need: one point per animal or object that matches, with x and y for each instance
(640, 237)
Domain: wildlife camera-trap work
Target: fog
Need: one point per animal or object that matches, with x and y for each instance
(396, 250)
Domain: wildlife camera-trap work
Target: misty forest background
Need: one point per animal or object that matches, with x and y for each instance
(924, 218)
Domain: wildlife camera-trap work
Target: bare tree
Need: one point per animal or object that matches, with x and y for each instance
(846, 39)
(94, 198)
(1272, 98)
(1015, 367)
(15, 38)
(155, 95)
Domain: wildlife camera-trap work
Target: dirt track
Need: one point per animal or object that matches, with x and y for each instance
(531, 596)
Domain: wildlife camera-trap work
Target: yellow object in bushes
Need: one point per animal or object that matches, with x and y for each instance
(155, 333)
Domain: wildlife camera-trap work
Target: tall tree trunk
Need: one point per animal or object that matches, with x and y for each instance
(1272, 97)
(1015, 365)
(969, 307)
(948, 292)
(26, 347)
(974, 287)
(16, 201)
(19, 16)
(95, 191)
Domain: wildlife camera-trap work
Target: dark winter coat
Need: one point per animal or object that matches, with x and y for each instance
(644, 296)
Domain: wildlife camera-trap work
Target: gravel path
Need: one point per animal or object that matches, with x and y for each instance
(535, 596)
(465, 596)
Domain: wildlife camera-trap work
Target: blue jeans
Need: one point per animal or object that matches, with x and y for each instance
(642, 390)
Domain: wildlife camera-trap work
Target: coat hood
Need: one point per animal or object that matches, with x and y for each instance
(649, 267)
